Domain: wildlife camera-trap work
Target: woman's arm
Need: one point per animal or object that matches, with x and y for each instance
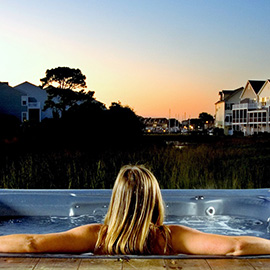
(189, 241)
(77, 240)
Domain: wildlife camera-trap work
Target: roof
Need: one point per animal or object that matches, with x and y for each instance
(4, 86)
(265, 83)
(227, 91)
(229, 94)
(256, 85)
(26, 82)
(234, 92)
(4, 83)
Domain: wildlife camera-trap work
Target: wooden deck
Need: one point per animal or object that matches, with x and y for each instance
(133, 264)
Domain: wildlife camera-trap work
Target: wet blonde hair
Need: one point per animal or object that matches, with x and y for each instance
(135, 214)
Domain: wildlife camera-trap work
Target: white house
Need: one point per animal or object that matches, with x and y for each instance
(223, 109)
(251, 115)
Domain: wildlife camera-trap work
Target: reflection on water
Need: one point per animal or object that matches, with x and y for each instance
(227, 225)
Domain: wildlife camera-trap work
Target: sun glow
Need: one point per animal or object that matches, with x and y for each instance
(155, 57)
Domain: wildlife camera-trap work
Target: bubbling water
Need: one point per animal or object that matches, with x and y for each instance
(225, 225)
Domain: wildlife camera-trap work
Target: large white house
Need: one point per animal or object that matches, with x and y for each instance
(245, 109)
(223, 109)
(251, 115)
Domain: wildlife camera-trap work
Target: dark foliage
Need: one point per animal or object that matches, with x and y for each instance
(217, 163)
(60, 84)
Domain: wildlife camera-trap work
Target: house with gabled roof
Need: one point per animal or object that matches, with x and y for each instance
(223, 109)
(25, 101)
(251, 115)
(36, 101)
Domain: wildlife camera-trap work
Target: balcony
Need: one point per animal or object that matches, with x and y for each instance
(33, 105)
(239, 121)
(257, 120)
(245, 106)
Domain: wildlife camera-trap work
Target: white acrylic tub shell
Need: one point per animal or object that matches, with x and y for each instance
(253, 203)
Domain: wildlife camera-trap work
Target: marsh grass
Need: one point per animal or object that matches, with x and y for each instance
(225, 163)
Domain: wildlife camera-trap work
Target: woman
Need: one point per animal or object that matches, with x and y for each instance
(134, 225)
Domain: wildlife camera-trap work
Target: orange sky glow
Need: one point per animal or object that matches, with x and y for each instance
(161, 58)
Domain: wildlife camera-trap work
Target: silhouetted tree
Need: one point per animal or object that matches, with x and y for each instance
(60, 84)
(206, 117)
(64, 78)
(88, 119)
(123, 124)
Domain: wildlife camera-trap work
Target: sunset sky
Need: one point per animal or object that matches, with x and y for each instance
(155, 56)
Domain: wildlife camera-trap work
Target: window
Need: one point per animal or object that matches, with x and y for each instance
(234, 117)
(24, 100)
(255, 117)
(24, 116)
(241, 116)
(251, 115)
(264, 116)
(263, 101)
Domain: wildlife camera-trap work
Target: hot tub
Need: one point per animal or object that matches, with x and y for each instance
(181, 205)
(230, 212)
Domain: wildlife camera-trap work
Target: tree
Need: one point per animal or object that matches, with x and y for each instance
(123, 124)
(60, 84)
(206, 117)
(207, 120)
(64, 78)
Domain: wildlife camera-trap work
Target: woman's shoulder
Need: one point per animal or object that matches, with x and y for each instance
(182, 238)
(91, 228)
(175, 228)
(180, 231)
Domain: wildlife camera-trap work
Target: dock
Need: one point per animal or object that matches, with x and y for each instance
(32, 263)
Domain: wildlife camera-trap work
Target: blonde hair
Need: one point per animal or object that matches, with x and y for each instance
(135, 213)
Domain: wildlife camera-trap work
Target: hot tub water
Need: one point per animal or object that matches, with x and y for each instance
(228, 212)
(225, 225)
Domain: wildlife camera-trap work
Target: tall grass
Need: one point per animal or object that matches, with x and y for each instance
(229, 163)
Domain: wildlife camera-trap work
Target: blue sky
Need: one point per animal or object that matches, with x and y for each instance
(154, 56)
